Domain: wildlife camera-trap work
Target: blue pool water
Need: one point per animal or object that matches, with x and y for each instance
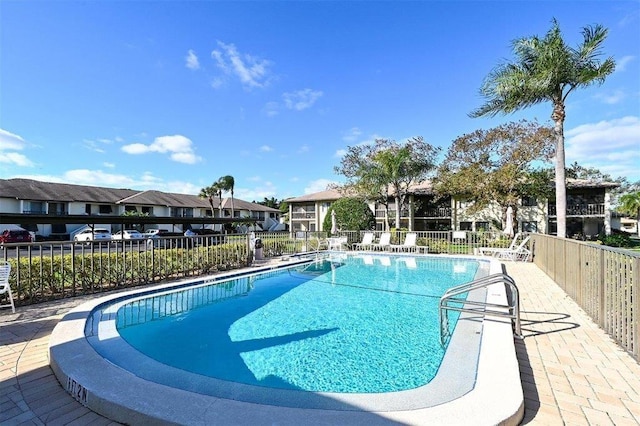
(358, 325)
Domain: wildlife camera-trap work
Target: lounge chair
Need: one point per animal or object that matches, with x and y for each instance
(492, 251)
(367, 240)
(384, 242)
(5, 269)
(521, 252)
(337, 243)
(410, 244)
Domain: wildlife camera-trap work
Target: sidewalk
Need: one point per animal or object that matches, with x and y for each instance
(572, 372)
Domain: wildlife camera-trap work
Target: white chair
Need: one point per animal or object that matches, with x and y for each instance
(337, 243)
(384, 243)
(410, 244)
(520, 252)
(492, 251)
(367, 240)
(5, 269)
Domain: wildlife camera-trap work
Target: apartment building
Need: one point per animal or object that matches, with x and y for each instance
(588, 211)
(32, 197)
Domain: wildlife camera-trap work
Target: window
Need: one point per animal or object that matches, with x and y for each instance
(147, 210)
(105, 209)
(529, 226)
(130, 209)
(528, 201)
(465, 226)
(482, 226)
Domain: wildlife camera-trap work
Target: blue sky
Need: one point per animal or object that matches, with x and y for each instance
(171, 95)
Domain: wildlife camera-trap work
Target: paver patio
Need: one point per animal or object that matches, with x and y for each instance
(572, 372)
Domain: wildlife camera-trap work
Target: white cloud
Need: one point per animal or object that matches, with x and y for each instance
(301, 99)
(9, 144)
(217, 82)
(266, 148)
(191, 60)
(318, 185)
(180, 148)
(621, 64)
(351, 135)
(340, 153)
(612, 146)
(251, 71)
(612, 97)
(15, 158)
(303, 149)
(271, 109)
(109, 165)
(265, 190)
(11, 141)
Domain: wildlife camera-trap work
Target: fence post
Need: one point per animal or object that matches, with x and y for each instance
(601, 288)
(636, 308)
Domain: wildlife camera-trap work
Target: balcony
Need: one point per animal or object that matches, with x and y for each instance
(422, 213)
(580, 209)
(303, 215)
(434, 212)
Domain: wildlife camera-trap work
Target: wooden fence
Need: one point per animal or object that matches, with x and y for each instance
(602, 280)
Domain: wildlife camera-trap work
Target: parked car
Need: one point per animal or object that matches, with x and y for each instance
(154, 232)
(15, 236)
(127, 234)
(96, 235)
(159, 238)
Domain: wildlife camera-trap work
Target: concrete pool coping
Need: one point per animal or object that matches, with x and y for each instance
(496, 398)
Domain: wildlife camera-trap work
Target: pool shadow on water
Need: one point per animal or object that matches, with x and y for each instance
(218, 364)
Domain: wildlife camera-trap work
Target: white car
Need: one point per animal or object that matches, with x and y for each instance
(127, 234)
(96, 235)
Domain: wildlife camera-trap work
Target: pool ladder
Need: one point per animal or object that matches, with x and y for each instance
(511, 310)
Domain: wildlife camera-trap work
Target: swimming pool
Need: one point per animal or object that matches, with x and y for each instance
(269, 381)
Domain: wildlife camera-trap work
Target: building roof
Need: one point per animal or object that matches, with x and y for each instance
(326, 195)
(426, 188)
(28, 189)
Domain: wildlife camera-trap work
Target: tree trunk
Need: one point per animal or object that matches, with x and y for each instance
(397, 212)
(561, 186)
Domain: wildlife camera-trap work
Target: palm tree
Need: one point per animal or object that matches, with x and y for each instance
(392, 165)
(547, 70)
(211, 191)
(630, 204)
(227, 183)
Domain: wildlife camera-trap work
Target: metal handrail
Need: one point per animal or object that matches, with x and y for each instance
(513, 306)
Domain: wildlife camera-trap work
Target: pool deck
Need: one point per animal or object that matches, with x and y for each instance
(572, 372)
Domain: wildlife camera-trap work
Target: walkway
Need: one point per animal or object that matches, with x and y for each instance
(572, 372)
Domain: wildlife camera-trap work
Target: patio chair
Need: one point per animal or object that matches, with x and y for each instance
(367, 240)
(492, 251)
(384, 242)
(336, 243)
(5, 269)
(410, 244)
(520, 252)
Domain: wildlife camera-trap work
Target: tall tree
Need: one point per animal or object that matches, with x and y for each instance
(497, 165)
(630, 204)
(387, 169)
(227, 183)
(547, 70)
